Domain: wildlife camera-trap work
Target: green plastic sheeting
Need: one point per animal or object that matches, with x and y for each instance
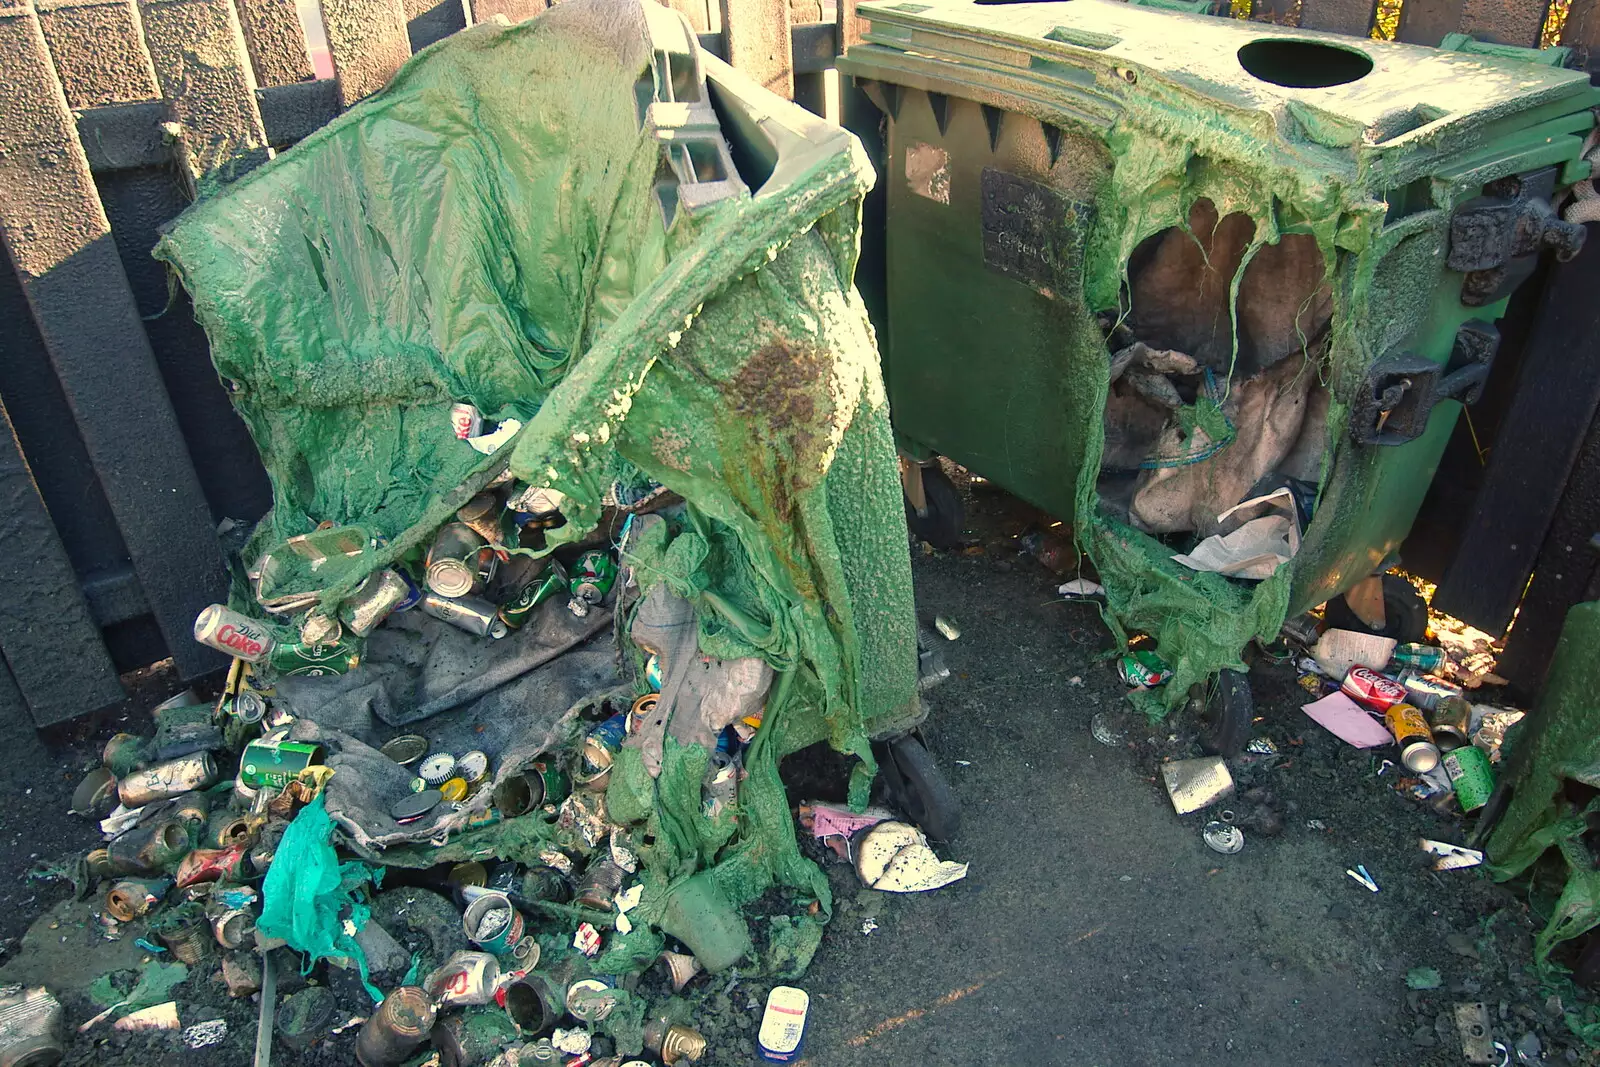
(1556, 744)
(313, 901)
(495, 227)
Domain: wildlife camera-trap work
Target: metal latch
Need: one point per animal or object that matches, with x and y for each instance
(1398, 394)
(1495, 240)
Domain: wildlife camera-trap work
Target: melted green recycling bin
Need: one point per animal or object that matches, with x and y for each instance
(637, 264)
(1145, 265)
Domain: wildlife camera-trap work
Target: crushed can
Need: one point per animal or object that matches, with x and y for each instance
(592, 577)
(467, 977)
(238, 635)
(132, 898)
(382, 594)
(783, 1025)
(149, 848)
(301, 659)
(230, 864)
(1425, 691)
(1471, 775)
(551, 582)
(275, 764)
(1143, 669)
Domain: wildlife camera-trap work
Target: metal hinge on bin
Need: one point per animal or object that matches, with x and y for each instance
(1399, 393)
(1496, 240)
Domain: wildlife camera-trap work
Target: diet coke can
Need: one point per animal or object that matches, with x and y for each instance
(465, 421)
(228, 631)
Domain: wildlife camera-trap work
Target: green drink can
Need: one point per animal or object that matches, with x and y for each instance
(275, 764)
(315, 661)
(593, 576)
(551, 582)
(1471, 774)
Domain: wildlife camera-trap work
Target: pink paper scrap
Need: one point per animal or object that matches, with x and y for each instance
(1348, 721)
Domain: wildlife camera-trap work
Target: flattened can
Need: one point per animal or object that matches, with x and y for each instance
(1471, 775)
(473, 614)
(237, 635)
(1411, 733)
(593, 576)
(1425, 691)
(550, 583)
(383, 593)
(276, 763)
(302, 660)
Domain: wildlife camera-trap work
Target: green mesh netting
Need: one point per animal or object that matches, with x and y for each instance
(487, 229)
(1557, 743)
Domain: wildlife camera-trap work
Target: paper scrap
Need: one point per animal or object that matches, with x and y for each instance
(1348, 721)
(1081, 588)
(1259, 535)
(1336, 651)
(836, 820)
(159, 1017)
(489, 443)
(895, 857)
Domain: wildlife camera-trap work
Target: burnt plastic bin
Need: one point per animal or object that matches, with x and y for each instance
(1142, 265)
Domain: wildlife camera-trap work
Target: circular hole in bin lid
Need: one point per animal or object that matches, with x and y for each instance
(1303, 64)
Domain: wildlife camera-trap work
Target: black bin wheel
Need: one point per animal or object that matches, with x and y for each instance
(945, 518)
(1225, 710)
(1405, 613)
(917, 787)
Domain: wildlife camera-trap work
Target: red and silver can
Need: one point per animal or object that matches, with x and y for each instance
(1374, 691)
(228, 631)
(466, 421)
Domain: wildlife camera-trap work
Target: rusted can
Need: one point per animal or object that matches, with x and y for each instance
(482, 513)
(473, 614)
(183, 775)
(538, 784)
(149, 848)
(30, 1027)
(590, 1000)
(393, 1032)
(96, 795)
(233, 927)
(126, 753)
(237, 635)
(191, 809)
(493, 923)
(459, 562)
(130, 898)
(379, 596)
(600, 884)
(189, 940)
(474, 1038)
(532, 1003)
(225, 829)
(465, 421)
(319, 628)
(213, 865)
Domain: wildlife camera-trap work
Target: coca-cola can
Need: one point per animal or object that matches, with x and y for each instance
(465, 978)
(1373, 691)
(228, 631)
(466, 421)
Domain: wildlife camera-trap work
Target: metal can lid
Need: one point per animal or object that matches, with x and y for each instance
(416, 806)
(473, 766)
(1220, 837)
(1420, 757)
(437, 768)
(453, 789)
(450, 577)
(405, 749)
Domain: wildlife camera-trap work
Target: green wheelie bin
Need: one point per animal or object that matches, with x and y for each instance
(1143, 266)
